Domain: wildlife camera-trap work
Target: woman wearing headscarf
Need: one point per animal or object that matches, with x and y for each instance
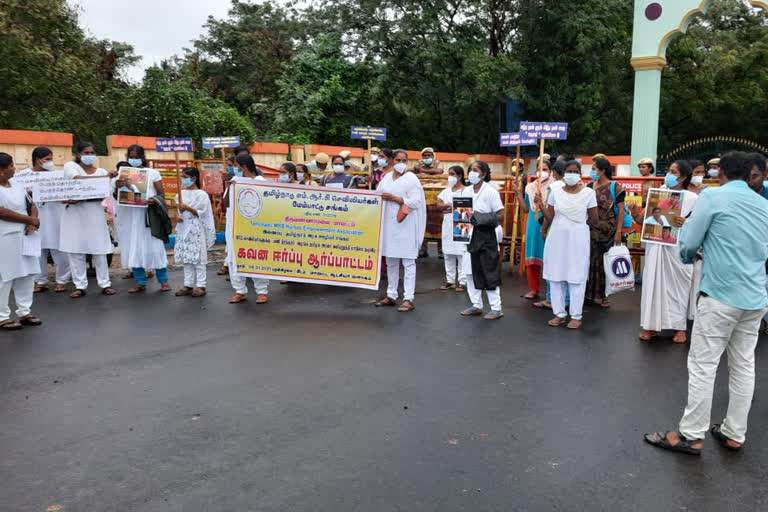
(404, 222)
(534, 241)
(667, 281)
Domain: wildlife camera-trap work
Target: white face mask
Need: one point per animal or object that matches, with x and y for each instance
(284, 178)
(697, 180)
(88, 159)
(338, 169)
(714, 173)
(544, 175)
(382, 162)
(428, 161)
(452, 181)
(299, 176)
(571, 179)
(48, 166)
(474, 177)
(401, 167)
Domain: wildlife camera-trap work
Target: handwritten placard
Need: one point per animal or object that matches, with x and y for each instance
(174, 145)
(28, 180)
(368, 133)
(546, 131)
(71, 189)
(221, 142)
(508, 140)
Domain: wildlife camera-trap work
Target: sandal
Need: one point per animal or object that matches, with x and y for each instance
(199, 292)
(39, 288)
(556, 322)
(165, 287)
(77, 294)
(448, 286)
(30, 320)
(237, 298)
(109, 291)
(473, 311)
(545, 304)
(680, 337)
(386, 301)
(683, 445)
(647, 335)
(530, 295)
(494, 315)
(406, 306)
(184, 291)
(574, 324)
(461, 288)
(138, 288)
(722, 439)
(262, 299)
(60, 288)
(605, 304)
(10, 325)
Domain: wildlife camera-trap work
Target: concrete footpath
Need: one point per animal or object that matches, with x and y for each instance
(317, 401)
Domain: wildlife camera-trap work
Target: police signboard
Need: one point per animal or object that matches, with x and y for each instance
(368, 133)
(508, 140)
(221, 142)
(546, 131)
(174, 145)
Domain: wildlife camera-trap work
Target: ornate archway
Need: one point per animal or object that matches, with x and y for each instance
(707, 148)
(657, 22)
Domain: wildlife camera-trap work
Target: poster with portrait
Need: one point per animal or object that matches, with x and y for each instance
(132, 187)
(663, 207)
(462, 214)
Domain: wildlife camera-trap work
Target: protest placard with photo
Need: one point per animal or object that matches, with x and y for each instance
(662, 208)
(132, 187)
(462, 213)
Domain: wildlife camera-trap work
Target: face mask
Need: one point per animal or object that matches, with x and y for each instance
(452, 181)
(238, 172)
(697, 180)
(382, 162)
(671, 180)
(134, 162)
(338, 169)
(428, 161)
(571, 179)
(284, 178)
(593, 174)
(299, 176)
(347, 163)
(48, 166)
(233, 170)
(714, 173)
(187, 182)
(544, 175)
(400, 167)
(88, 159)
(474, 177)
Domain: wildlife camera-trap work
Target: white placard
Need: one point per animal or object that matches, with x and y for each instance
(32, 244)
(75, 189)
(28, 180)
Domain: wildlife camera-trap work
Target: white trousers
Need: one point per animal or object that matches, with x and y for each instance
(195, 275)
(454, 266)
(23, 291)
(240, 284)
(61, 260)
(77, 265)
(393, 278)
(720, 328)
(476, 296)
(558, 289)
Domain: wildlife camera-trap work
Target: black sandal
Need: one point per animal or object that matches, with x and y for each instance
(30, 320)
(722, 439)
(10, 325)
(683, 445)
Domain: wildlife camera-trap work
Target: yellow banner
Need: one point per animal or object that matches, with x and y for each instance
(307, 234)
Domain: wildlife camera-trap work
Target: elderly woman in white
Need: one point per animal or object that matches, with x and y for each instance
(17, 270)
(405, 219)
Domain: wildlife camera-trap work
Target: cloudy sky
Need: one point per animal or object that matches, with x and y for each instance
(157, 29)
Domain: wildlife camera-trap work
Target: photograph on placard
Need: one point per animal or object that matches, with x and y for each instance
(462, 214)
(132, 187)
(662, 208)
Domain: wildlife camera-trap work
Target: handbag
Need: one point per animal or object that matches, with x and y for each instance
(403, 212)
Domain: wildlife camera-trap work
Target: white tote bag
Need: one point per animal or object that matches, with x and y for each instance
(619, 274)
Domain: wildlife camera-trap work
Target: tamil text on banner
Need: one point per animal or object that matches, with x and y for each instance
(368, 133)
(221, 142)
(175, 145)
(546, 131)
(661, 212)
(299, 233)
(28, 180)
(71, 189)
(510, 140)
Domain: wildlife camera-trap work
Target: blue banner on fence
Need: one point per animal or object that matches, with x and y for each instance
(221, 142)
(546, 131)
(174, 145)
(507, 140)
(368, 133)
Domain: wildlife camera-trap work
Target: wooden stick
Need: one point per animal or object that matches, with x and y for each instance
(516, 218)
(178, 182)
(370, 164)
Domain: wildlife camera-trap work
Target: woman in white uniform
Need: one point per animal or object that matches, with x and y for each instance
(50, 226)
(139, 250)
(404, 222)
(453, 252)
(481, 264)
(17, 271)
(195, 233)
(667, 281)
(570, 209)
(84, 228)
(247, 171)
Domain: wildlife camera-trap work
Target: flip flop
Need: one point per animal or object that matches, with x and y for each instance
(10, 325)
(109, 291)
(556, 322)
(184, 291)
(683, 445)
(406, 306)
(473, 311)
(30, 320)
(542, 305)
(238, 298)
(494, 315)
(77, 294)
(385, 302)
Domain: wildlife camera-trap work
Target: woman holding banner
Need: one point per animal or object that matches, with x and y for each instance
(453, 251)
(247, 171)
(84, 228)
(195, 233)
(404, 223)
(139, 250)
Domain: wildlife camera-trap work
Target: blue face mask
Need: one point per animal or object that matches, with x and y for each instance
(232, 169)
(593, 174)
(135, 162)
(238, 172)
(88, 159)
(671, 180)
(187, 182)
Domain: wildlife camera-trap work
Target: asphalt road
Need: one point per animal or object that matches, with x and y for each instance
(318, 401)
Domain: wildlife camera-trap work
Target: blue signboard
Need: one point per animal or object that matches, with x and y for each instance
(546, 131)
(510, 140)
(221, 142)
(368, 133)
(174, 145)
